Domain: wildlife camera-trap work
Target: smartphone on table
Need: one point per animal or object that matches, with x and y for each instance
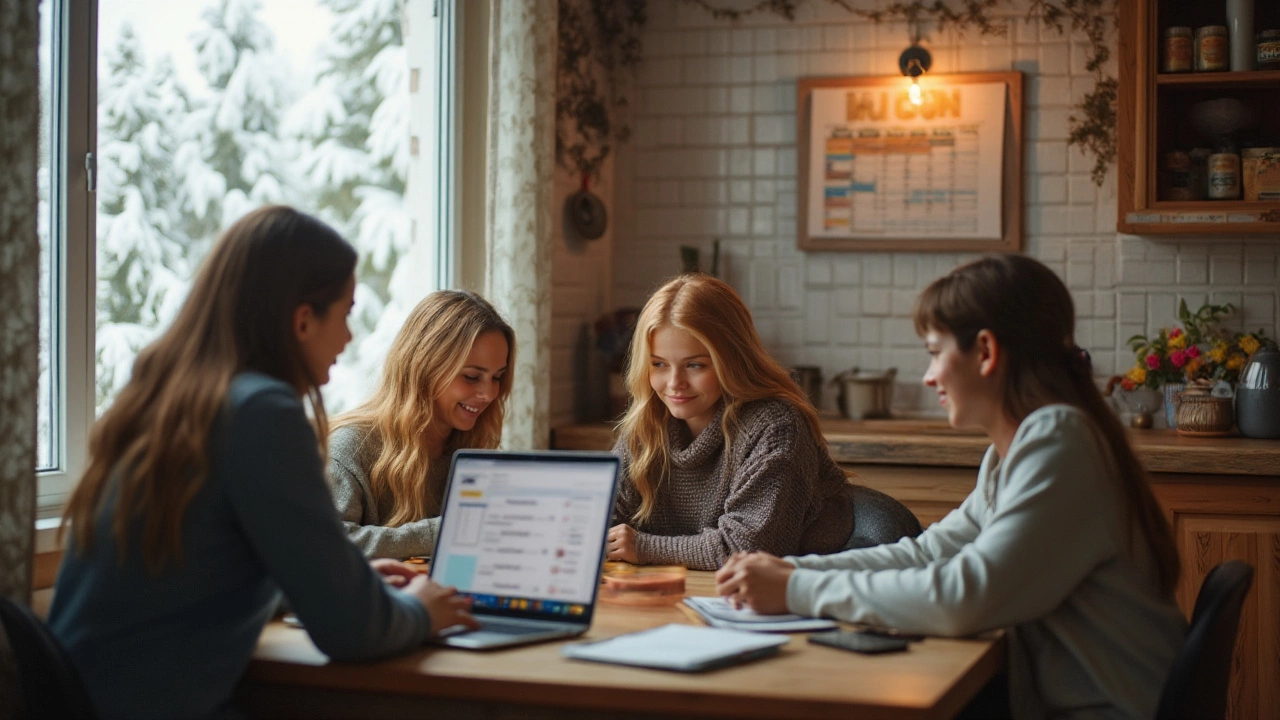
(859, 642)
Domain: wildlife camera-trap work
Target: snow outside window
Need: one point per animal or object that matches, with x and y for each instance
(207, 109)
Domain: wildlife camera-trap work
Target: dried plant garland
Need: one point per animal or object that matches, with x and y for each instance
(600, 46)
(1092, 126)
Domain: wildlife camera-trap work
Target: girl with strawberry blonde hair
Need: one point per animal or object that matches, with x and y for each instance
(721, 451)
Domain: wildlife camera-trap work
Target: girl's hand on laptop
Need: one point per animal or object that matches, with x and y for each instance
(443, 603)
(620, 543)
(757, 580)
(394, 572)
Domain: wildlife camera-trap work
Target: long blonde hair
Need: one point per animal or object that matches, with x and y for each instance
(712, 312)
(426, 356)
(156, 436)
(1031, 314)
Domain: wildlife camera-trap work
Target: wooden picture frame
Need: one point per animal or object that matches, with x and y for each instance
(1011, 232)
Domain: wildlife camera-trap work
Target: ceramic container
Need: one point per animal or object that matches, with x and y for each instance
(1258, 395)
(1240, 30)
(1200, 413)
(865, 394)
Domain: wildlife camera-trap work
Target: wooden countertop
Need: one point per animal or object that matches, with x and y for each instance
(934, 443)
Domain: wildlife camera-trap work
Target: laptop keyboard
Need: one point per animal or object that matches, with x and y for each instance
(510, 628)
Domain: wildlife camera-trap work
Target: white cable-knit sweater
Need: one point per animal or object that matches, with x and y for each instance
(1040, 547)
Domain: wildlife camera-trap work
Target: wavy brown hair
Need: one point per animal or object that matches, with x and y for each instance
(711, 311)
(150, 449)
(1031, 314)
(427, 354)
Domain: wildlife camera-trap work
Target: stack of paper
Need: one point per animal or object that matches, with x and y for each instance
(686, 648)
(719, 613)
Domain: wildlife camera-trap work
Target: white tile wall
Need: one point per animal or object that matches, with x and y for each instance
(581, 290)
(713, 155)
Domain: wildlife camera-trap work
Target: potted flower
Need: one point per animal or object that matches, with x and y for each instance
(1199, 352)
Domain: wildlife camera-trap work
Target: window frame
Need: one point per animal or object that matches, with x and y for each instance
(73, 221)
(73, 239)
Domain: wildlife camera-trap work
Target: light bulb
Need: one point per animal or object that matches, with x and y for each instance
(913, 92)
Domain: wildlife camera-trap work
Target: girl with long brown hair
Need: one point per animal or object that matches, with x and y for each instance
(205, 495)
(444, 387)
(1061, 541)
(721, 451)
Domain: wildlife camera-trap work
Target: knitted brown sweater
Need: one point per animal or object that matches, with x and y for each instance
(777, 490)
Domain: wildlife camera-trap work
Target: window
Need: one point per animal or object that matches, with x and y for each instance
(206, 110)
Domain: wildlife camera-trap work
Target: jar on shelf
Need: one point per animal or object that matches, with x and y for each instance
(1178, 182)
(1251, 167)
(1224, 174)
(1200, 172)
(1211, 48)
(1175, 55)
(1269, 50)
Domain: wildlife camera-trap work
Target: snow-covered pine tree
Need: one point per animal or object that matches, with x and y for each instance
(143, 261)
(234, 157)
(354, 124)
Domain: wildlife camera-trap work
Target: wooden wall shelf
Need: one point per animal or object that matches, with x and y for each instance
(1254, 78)
(1152, 119)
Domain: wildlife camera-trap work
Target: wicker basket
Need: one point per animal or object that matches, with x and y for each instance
(1200, 413)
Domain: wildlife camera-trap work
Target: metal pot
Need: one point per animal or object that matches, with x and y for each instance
(865, 394)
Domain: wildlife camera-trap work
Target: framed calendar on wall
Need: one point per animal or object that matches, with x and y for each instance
(879, 171)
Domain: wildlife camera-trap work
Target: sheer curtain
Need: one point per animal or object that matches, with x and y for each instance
(521, 152)
(19, 277)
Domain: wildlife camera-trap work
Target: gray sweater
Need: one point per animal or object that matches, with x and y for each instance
(777, 490)
(1040, 547)
(351, 456)
(173, 644)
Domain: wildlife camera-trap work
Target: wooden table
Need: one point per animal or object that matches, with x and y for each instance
(934, 679)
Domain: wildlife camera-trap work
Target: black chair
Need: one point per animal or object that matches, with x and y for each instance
(1197, 684)
(51, 687)
(879, 519)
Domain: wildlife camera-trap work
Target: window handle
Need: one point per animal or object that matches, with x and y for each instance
(91, 171)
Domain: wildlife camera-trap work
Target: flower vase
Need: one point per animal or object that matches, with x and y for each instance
(1171, 391)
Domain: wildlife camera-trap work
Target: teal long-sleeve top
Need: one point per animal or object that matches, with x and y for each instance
(174, 644)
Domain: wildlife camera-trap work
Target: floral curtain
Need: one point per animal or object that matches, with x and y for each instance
(19, 277)
(520, 182)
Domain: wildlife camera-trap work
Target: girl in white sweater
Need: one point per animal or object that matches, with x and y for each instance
(1062, 542)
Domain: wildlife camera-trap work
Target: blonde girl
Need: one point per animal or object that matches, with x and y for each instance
(205, 496)
(1061, 542)
(721, 451)
(444, 387)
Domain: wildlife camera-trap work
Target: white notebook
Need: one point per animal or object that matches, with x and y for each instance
(685, 648)
(719, 613)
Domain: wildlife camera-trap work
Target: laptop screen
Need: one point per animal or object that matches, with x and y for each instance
(523, 533)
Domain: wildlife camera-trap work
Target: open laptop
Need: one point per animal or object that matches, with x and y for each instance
(522, 535)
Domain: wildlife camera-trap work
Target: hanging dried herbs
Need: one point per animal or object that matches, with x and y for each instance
(599, 46)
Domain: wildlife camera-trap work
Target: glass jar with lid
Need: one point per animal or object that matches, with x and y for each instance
(1211, 48)
(1269, 50)
(1175, 55)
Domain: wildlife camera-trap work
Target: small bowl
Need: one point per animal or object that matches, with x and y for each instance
(1222, 116)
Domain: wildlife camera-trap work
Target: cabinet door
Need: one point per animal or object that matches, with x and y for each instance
(1220, 522)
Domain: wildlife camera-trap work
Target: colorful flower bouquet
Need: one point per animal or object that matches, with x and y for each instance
(1199, 350)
